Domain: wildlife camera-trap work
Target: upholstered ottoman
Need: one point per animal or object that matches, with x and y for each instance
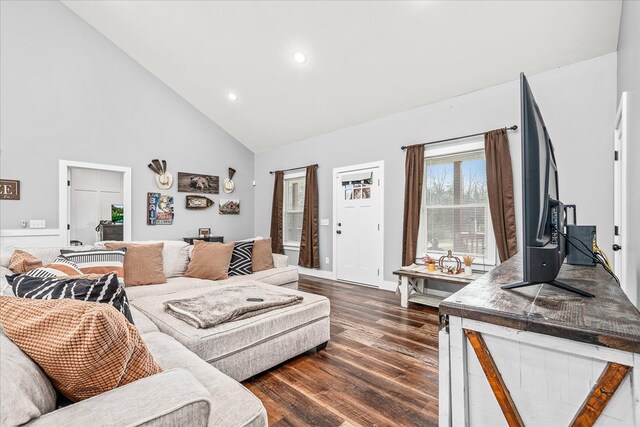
(247, 347)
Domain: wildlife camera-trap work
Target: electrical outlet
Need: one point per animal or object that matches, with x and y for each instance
(324, 222)
(37, 223)
(23, 224)
(326, 260)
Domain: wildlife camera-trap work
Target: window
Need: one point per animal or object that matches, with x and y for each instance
(293, 209)
(455, 207)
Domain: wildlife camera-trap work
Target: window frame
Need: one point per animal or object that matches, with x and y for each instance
(289, 245)
(490, 259)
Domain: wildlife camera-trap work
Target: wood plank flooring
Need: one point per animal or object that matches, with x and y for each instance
(379, 369)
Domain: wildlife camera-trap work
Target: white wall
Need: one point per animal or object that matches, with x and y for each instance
(629, 80)
(578, 104)
(66, 92)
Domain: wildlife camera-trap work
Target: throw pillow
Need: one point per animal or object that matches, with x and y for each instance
(22, 261)
(60, 267)
(241, 259)
(210, 260)
(142, 264)
(261, 257)
(98, 261)
(85, 348)
(105, 290)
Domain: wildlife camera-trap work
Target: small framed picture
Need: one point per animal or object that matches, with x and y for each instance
(204, 232)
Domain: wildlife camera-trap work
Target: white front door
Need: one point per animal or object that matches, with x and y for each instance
(358, 226)
(91, 194)
(620, 249)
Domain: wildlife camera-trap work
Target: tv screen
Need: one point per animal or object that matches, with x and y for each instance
(543, 216)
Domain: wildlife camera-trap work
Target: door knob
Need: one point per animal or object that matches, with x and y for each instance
(338, 232)
(616, 247)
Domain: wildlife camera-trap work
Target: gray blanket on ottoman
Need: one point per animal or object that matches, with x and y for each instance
(228, 304)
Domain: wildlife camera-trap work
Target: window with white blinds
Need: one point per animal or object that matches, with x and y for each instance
(293, 209)
(455, 207)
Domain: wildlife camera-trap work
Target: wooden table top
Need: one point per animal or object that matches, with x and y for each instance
(439, 277)
(609, 319)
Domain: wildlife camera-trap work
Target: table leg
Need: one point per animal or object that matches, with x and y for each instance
(404, 292)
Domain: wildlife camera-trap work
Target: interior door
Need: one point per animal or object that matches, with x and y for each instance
(91, 194)
(620, 265)
(358, 227)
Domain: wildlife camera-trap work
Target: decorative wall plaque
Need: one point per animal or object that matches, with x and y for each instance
(9, 189)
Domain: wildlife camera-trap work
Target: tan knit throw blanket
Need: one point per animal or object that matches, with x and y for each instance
(228, 305)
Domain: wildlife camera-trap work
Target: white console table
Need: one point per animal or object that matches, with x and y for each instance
(539, 356)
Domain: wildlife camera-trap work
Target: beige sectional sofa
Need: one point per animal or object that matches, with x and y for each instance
(202, 367)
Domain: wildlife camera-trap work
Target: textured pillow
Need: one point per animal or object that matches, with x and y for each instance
(22, 261)
(142, 263)
(210, 260)
(85, 348)
(261, 257)
(105, 290)
(241, 259)
(25, 391)
(98, 261)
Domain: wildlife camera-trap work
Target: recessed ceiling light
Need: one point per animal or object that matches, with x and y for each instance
(232, 96)
(299, 57)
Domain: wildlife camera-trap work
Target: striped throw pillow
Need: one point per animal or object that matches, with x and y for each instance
(60, 267)
(98, 261)
(241, 259)
(106, 289)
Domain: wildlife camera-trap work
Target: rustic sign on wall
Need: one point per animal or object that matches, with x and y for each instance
(9, 189)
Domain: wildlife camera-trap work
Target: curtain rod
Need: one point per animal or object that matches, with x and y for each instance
(293, 169)
(404, 147)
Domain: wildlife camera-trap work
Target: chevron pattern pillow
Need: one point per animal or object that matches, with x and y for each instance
(107, 290)
(241, 259)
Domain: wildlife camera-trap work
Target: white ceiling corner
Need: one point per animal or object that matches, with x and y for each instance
(366, 59)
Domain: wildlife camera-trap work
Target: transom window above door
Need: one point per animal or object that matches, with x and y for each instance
(294, 187)
(455, 206)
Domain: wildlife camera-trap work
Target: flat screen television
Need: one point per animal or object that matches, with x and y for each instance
(543, 214)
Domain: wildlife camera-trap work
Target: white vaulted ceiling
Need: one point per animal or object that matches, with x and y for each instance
(365, 59)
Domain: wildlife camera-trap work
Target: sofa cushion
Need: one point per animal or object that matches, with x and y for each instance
(25, 391)
(59, 267)
(225, 339)
(241, 259)
(173, 285)
(142, 263)
(105, 289)
(210, 260)
(85, 348)
(261, 258)
(231, 404)
(142, 322)
(273, 276)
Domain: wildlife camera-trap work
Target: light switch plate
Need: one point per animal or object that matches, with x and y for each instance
(37, 223)
(324, 222)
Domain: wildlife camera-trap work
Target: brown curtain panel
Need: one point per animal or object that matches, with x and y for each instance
(500, 188)
(309, 242)
(413, 180)
(277, 246)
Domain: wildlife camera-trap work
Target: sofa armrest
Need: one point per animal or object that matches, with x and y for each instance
(171, 397)
(280, 260)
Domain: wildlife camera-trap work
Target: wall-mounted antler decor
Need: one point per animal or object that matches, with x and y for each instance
(164, 179)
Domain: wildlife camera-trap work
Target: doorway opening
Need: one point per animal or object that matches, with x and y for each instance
(358, 220)
(91, 197)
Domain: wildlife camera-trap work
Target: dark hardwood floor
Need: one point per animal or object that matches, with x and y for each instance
(379, 369)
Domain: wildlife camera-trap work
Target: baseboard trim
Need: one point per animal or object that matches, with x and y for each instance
(30, 232)
(322, 274)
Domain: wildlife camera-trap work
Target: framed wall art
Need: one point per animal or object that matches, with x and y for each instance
(229, 207)
(198, 183)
